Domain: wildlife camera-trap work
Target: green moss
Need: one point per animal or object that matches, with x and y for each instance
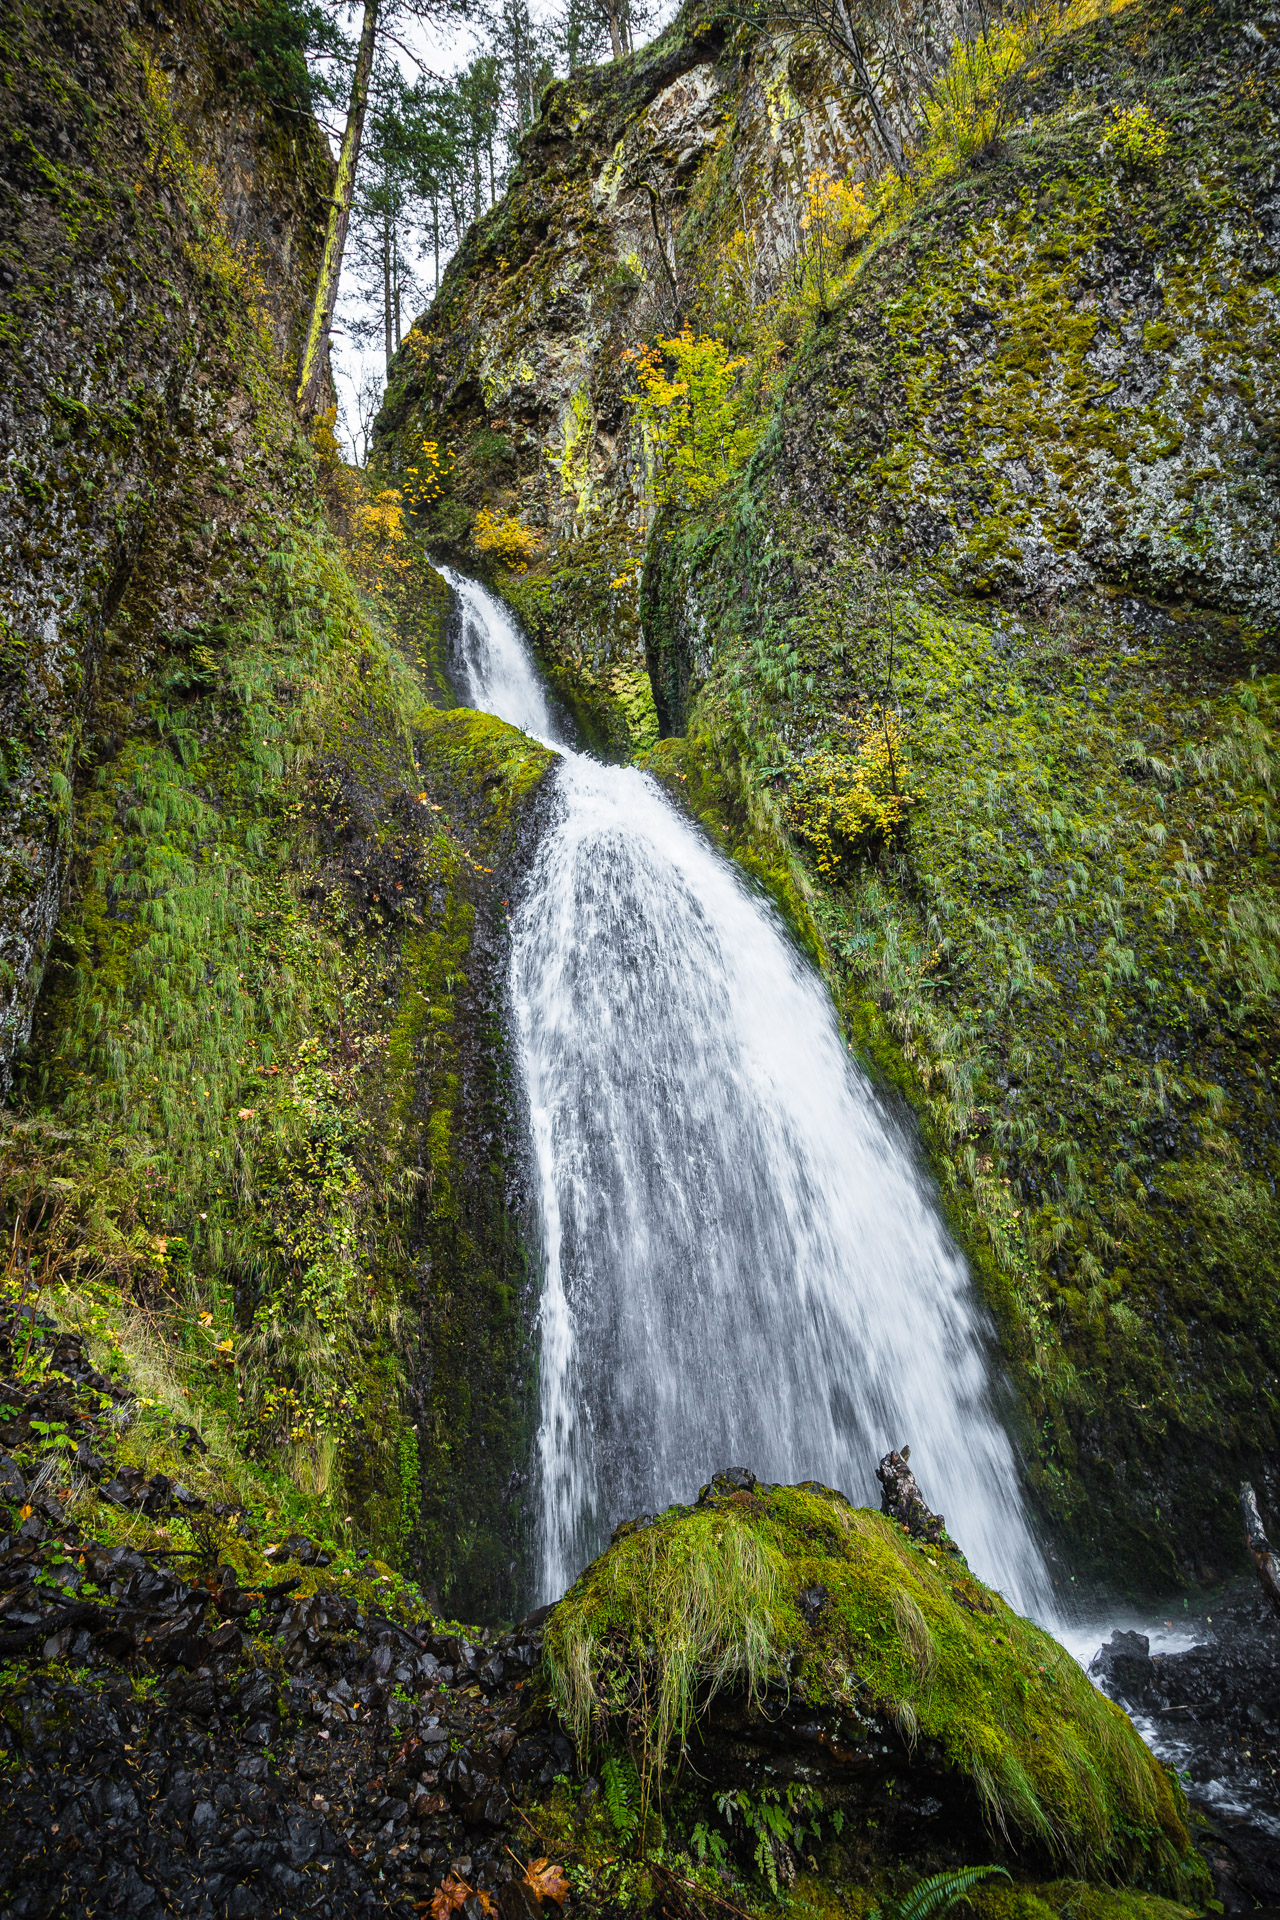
(707, 1599)
(1072, 1900)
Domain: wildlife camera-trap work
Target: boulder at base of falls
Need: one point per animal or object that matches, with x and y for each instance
(789, 1678)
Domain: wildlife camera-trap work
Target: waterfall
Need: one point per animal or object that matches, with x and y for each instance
(742, 1263)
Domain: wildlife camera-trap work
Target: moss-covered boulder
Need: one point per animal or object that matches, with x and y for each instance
(777, 1640)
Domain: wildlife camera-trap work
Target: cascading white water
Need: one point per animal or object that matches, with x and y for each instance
(742, 1265)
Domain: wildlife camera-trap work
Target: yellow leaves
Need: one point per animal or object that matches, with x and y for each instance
(840, 801)
(696, 420)
(506, 537)
(1136, 137)
(835, 211)
(379, 546)
(426, 482)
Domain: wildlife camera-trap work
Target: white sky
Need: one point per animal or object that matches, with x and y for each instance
(440, 50)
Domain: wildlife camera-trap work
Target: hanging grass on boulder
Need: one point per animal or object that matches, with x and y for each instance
(767, 1606)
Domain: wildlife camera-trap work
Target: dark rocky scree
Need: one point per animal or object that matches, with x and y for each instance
(188, 1742)
(1214, 1712)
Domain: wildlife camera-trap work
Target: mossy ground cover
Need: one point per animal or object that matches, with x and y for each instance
(264, 1098)
(980, 499)
(791, 1592)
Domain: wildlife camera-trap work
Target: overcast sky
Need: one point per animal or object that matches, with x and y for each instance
(439, 51)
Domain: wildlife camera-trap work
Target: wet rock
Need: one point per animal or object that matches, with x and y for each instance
(1213, 1712)
(1125, 1668)
(902, 1500)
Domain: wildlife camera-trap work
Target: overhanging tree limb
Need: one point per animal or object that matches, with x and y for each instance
(832, 22)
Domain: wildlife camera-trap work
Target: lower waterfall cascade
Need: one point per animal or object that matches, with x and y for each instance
(742, 1263)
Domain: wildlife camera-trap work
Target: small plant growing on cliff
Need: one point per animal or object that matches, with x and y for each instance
(1136, 137)
(835, 215)
(379, 540)
(776, 1823)
(935, 1895)
(695, 416)
(426, 482)
(621, 1792)
(506, 538)
(842, 800)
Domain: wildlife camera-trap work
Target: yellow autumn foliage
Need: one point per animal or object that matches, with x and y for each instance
(506, 538)
(843, 800)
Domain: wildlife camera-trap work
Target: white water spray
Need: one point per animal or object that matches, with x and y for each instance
(742, 1264)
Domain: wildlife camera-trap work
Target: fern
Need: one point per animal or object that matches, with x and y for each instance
(935, 1895)
(620, 1783)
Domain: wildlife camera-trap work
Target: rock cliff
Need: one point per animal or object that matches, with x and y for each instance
(251, 895)
(1012, 518)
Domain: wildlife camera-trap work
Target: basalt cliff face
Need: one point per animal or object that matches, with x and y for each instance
(258, 1125)
(610, 233)
(1017, 491)
(145, 205)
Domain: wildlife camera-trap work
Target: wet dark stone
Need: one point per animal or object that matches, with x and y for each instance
(811, 1601)
(12, 1485)
(1125, 1668)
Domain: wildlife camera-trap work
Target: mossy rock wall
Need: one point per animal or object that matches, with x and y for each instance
(254, 883)
(160, 231)
(1023, 486)
(519, 371)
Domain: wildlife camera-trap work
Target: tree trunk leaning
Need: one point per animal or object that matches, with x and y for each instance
(313, 360)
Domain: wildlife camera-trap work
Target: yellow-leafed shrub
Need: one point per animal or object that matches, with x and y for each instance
(378, 548)
(840, 801)
(507, 538)
(425, 483)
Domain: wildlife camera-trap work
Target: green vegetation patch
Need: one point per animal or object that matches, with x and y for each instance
(707, 1600)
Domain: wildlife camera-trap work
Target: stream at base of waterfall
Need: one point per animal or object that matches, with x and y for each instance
(742, 1260)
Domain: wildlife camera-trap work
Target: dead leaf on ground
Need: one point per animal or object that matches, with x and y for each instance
(449, 1898)
(546, 1881)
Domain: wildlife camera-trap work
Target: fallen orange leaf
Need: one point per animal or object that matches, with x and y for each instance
(449, 1898)
(546, 1881)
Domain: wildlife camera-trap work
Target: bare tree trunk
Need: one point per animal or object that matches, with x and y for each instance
(857, 59)
(326, 295)
(615, 36)
(435, 242)
(1265, 1558)
(386, 290)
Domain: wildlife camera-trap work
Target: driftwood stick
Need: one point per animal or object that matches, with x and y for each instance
(1265, 1558)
